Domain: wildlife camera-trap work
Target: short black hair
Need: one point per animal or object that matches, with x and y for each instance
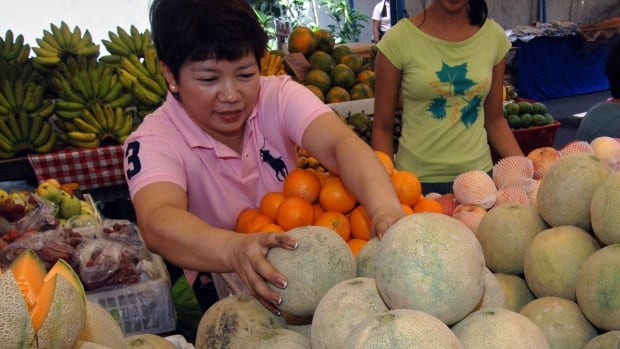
(612, 68)
(194, 30)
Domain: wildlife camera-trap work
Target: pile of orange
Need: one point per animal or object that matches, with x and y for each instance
(311, 197)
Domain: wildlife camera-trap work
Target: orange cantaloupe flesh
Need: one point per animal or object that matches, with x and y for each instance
(63, 268)
(41, 308)
(29, 272)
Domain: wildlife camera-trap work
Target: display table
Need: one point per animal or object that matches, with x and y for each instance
(556, 67)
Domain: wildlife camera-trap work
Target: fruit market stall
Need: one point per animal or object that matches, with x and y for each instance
(555, 60)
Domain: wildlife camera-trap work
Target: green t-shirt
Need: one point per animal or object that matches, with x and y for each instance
(443, 88)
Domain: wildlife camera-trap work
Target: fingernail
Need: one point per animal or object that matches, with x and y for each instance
(277, 301)
(282, 283)
(278, 313)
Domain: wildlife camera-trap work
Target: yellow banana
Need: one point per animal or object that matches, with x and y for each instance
(109, 115)
(42, 52)
(122, 101)
(46, 61)
(5, 130)
(43, 135)
(61, 104)
(68, 114)
(100, 116)
(9, 94)
(119, 119)
(19, 91)
(151, 85)
(70, 92)
(90, 50)
(114, 91)
(91, 119)
(13, 124)
(50, 40)
(136, 38)
(82, 136)
(6, 145)
(146, 96)
(56, 33)
(86, 127)
(31, 102)
(105, 84)
(133, 65)
(76, 37)
(127, 126)
(116, 40)
(45, 110)
(24, 125)
(150, 60)
(84, 144)
(46, 45)
(146, 40)
(67, 35)
(126, 78)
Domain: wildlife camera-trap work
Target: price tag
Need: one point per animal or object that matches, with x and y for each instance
(298, 64)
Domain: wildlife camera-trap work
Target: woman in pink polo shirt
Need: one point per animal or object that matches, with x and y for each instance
(224, 137)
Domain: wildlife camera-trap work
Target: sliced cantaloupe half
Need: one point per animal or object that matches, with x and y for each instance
(44, 310)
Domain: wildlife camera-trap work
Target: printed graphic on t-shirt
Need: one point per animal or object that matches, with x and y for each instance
(277, 164)
(464, 109)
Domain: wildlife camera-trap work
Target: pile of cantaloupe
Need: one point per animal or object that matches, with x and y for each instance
(48, 309)
(535, 275)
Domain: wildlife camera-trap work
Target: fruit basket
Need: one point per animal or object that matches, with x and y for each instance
(144, 307)
(537, 136)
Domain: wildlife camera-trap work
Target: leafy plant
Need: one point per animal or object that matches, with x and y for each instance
(349, 24)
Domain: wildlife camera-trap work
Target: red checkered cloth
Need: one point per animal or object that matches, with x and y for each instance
(90, 168)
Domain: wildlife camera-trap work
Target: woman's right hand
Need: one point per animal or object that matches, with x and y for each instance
(249, 260)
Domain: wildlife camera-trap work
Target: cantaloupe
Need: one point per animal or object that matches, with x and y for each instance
(101, 328)
(343, 307)
(433, 263)
(499, 328)
(566, 190)
(516, 292)
(401, 328)
(365, 259)
(504, 233)
(35, 305)
(90, 345)
(605, 340)
(321, 260)
(280, 338)
(561, 321)
(148, 341)
(232, 318)
(493, 295)
(553, 259)
(598, 288)
(604, 210)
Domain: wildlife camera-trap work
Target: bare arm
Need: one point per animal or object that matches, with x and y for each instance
(387, 84)
(499, 133)
(346, 154)
(189, 242)
(376, 25)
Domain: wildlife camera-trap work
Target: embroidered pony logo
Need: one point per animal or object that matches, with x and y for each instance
(277, 164)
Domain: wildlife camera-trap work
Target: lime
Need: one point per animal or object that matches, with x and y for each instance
(538, 120)
(526, 120)
(511, 108)
(549, 119)
(525, 107)
(538, 108)
(514, 121)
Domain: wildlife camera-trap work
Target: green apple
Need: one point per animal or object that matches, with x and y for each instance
(69, 206)
(50, 192)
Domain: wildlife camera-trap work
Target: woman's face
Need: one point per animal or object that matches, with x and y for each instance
(218, 95)
(452, 6)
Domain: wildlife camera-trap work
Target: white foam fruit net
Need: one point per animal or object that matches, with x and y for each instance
(476, 188)
(514, 171)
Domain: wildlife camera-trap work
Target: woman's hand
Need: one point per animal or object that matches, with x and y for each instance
(249, 260)
(383, 220)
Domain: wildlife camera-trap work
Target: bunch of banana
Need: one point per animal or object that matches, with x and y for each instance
(24, 133)
(271, 64)
(123, 44)
(144, 79)
(19, 95)
(14, 71)
(60, 43)
(101, 124)
(13, 49)
(307, 160)
(83, 82)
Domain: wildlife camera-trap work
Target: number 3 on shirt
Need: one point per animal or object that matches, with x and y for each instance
(133, 161)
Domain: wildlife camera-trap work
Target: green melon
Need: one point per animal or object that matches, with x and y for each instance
(100, 327)
(561, 321)
(493, 295)
(499, 328)
(604, 210)
(565, 192)
(431, 262)
(504, 233)
(321, 260)
(516, 292)
(342, 308)
(401, 328)
(553, 259)
(232, 318)
(598, 288)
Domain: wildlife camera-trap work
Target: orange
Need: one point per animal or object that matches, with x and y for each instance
(366, 77)
(337, 94)
(318, 78)
(354, 61)
(321, 60)
(325, 40)
(317, 92)
(335, 197)
(342, 75)
(270, 202)
(356, 245)
(427, 205)
(294, 212)
(245, 215)
(335, 221)
(303, 184)
(386, 160)
(271, 228)
(360, 223)
(302, 40)
(256, 223)
(340, 51)
(408, 210)
(317, 210)
(407, 186)
(361, 91)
